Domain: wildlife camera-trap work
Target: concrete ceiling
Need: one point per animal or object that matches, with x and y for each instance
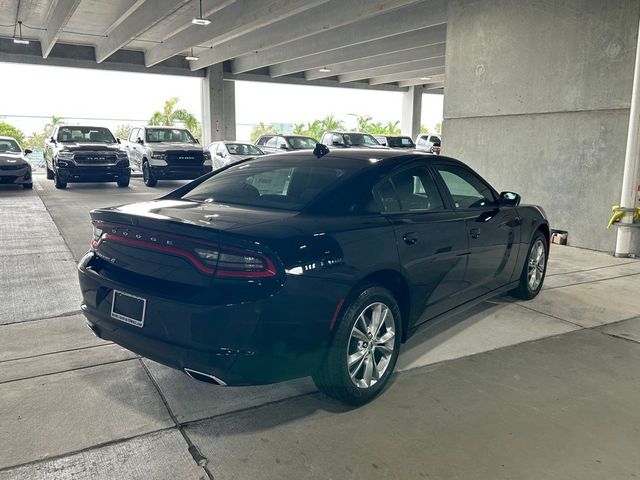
(374, 44)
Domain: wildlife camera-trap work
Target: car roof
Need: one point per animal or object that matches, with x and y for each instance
(66, 125)
(8, 138)
(164, 127)
(355, 156)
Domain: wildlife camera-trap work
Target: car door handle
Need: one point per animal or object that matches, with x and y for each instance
(474, 232)
(410, 238)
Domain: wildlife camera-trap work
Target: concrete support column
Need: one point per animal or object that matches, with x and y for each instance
(218, 106)
(411, 111)
(631, 163)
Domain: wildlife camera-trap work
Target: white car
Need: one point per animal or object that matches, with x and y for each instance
(428, 142)
(225, 152)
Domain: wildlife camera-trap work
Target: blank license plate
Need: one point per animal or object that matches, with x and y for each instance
(128, 308)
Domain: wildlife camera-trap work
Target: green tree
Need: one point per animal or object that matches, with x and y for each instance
(424, 129)
(364, 123)
(36, 140)
(122, 131)
(169, 116)
(263, 129)
(8, 130)
(439, 128)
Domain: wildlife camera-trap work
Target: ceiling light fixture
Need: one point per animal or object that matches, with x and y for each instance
(425, 78)
(324, 70)
(191, 57)
(200, 20)
(20, 40)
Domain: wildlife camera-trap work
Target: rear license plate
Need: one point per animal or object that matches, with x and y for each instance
(128, 308)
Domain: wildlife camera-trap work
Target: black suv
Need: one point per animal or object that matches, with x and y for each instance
(351, 139)
(279, 143)
(85, 154)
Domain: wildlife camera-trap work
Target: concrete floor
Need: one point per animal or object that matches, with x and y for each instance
(540, 389)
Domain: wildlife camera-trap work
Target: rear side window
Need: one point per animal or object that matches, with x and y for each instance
(466, 188)
(416, 190)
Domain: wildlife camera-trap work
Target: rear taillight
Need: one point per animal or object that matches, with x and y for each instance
(219, 261)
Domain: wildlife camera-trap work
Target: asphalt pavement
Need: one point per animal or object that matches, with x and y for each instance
(528, 390)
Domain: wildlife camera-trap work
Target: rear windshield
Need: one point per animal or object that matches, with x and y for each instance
(274, 183)
(176, 135)
(9, 145)
(85, 135)
(302, 143)
(400, 142)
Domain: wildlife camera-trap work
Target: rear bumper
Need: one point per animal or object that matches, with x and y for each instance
(15, 177)
(277, 338)
(172, 172)
(93, 174)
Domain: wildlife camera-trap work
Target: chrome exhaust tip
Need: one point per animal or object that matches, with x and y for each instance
(204, 377)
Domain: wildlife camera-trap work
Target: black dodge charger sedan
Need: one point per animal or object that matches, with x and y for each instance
(306, 263)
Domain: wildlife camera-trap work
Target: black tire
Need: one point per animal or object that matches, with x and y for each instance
(58, 182)
(334, 378)
(123, 182)
(147, 175)
(49, 172)
(27, 186)
(525, 289)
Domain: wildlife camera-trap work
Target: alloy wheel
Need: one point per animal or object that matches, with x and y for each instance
(371, 345)
(537, 261)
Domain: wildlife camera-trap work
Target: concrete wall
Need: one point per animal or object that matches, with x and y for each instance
(537, 100)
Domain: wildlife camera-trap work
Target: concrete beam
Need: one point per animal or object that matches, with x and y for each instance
(411, 111)
(253, 77)
(395, 43)
(414, 17)
(392, 69)
(433, 83)
(408, 75)
(83, 56)
(58, 16)
(333, 14)
(380, 61)
(236, 19)
(137, 22)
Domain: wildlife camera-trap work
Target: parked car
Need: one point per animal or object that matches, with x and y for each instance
(395, 141)
(428, 142)
(167, 153)
(350, 139)
(76, 153)
(278, 143)
(223, 153)
(266, 270)
(15, 169)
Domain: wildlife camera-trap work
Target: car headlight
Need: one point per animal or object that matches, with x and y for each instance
(159, 155)
(207, 155)
(63, 163)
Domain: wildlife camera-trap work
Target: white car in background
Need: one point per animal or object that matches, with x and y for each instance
(225, 152)
(428, 142)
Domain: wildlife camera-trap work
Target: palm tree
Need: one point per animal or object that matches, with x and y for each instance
(169, 116)
(263, 129)
(364, 123)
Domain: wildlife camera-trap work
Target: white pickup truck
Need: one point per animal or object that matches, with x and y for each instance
(167, 153)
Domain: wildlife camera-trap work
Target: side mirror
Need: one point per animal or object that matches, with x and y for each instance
(27, 151)
(52, 140)
(283, 146)
(140, 141)
(337, 143)
(509, 199)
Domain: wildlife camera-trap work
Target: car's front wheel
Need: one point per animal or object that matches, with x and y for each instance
(58, 182)
(49, 172)
(147, 175)
(534, 269)
(123, 182)
(364, 349)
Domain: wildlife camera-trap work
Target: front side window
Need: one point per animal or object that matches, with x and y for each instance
(302, 143)
(174, 135)
(466, 188)
(416, 190)
(263, 140)
(85, 135)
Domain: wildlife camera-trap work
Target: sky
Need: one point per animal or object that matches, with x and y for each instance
(30, 94)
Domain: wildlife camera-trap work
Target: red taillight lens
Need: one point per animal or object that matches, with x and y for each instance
(219, 261)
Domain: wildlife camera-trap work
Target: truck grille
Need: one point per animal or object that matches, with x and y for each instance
(95, 158)
(184, 158)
